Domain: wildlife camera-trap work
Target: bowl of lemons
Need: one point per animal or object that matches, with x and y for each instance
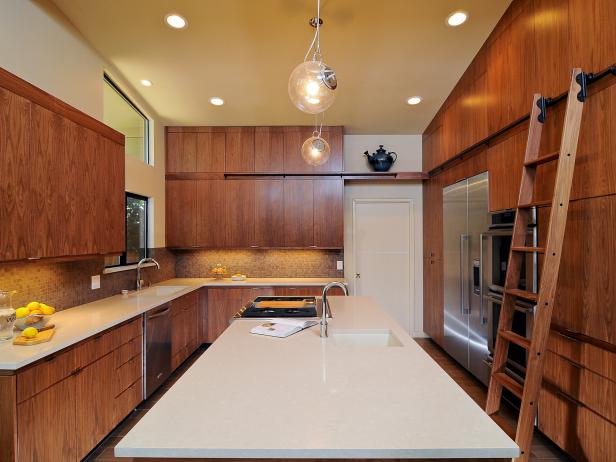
(34, 314)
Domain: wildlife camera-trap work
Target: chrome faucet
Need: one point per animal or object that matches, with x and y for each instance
(139, 265)
(326, 307)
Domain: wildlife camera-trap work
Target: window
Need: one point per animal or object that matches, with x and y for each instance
(122, 115)
(136, 232)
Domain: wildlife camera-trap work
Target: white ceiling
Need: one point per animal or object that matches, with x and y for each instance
(244, 50)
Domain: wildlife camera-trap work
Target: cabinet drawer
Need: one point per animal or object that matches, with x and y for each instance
(598, 360)
(128, 351)
(128, 373)
(577, 430)
(130, 330)
(583, 385)
(95, 348)
(179, 358)
(43, 374)
(128, 400)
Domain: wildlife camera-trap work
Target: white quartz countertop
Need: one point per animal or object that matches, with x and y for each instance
(78, 323)
(251, 396)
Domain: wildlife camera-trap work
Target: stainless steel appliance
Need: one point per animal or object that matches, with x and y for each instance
(465, 217)
(279, 307)
(157, 338)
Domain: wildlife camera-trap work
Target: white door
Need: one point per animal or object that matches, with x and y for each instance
(382, 241)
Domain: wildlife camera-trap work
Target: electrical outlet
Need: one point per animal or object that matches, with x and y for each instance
(339, 265)
(96, 282)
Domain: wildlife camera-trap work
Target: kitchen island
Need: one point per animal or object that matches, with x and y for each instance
(367, 391)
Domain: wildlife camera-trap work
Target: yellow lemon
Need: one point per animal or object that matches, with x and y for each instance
(46, 309)
(37, 311)
(33, 306)
(30, 332)
(22, 312)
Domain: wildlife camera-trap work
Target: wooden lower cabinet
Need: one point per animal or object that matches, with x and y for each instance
(222, 304)
(185, 327)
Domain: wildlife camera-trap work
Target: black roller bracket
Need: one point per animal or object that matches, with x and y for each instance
(581, 80)
(541, 104)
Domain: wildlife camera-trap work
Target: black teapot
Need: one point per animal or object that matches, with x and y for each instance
(381, 160)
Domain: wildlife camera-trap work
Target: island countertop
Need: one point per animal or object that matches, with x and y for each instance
(251, 396)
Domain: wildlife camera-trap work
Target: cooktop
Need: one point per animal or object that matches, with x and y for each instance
(280, 307)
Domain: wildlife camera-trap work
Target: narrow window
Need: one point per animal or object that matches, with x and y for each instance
(136, 232)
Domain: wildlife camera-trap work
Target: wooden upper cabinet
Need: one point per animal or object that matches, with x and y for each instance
(110, 191)
(239, 213)
(333, 136)
(210, 218)
(294, 137)
(299, 213)
(269, 213)
(328, 213)
(15, 186)
(181, 152)
(240, 150)
(505, 159)
(180, 217)
(269, 149)
(196, 149)
(211, 146)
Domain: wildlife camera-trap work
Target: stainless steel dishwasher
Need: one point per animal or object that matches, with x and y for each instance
(157, 362)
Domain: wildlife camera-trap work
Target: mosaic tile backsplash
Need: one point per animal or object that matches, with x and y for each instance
(260, 263)
(63, 285)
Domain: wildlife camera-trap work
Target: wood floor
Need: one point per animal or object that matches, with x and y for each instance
(542, 449)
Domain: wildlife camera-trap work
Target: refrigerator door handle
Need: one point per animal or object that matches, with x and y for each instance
(482, 316)
(464, 280)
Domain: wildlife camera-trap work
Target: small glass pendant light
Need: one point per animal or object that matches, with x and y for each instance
(315, 150)
(312, 84)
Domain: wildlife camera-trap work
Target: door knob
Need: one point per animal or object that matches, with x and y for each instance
(357, 275)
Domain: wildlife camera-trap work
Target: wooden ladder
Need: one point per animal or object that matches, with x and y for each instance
(528, 391)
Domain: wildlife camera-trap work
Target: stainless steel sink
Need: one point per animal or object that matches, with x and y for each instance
(369, 338)
(158, 291)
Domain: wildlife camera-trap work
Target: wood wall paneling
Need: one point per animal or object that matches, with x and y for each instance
(269, 213)
(240, 149)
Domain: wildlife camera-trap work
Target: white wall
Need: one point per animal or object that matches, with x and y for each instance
(38, 44)
(408, 148)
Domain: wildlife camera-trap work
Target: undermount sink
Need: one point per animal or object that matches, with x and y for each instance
(365, 338)
(159, 291)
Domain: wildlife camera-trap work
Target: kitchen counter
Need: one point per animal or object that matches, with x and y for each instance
(252, 396)
(78, 323)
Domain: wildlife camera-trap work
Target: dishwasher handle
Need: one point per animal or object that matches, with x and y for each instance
(161, 312)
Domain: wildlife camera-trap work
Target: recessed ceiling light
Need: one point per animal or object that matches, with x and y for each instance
(413, 100)
(176, 21)
(146, 83)
(216, 101)
(456, 18)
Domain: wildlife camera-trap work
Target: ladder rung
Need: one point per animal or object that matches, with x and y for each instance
(537, 204)
(528, 249)
(510, 384)
(543, 159)
(526, 295)
(515, 338)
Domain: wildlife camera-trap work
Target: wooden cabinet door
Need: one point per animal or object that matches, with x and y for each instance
(269, 213)
(239, 213)
(294, 137)
(328, 213)
(240, 149)
(333, 136)
(269, 149)
(180, 214)
(505, 159)
(181, 152)
(298, 213)
(15, 164)
(250, 293)
(210, 219)
(110, 206)
(46, 424)
(94, 403)
(211, 145)
(222, 304)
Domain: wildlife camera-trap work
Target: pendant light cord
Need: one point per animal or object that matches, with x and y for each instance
(317, 37)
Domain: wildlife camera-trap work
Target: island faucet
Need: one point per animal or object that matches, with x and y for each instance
(139, 265)
(326, 307)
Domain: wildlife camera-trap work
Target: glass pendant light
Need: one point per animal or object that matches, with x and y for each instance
(312, 84)
(315, 150)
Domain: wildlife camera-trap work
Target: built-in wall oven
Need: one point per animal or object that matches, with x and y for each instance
(496, 244)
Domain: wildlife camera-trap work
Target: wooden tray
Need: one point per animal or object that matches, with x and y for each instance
(280, 304)
(43, 336)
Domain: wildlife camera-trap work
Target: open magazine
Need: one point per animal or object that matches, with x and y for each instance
(279, 327)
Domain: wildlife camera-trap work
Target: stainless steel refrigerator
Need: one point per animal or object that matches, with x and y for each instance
(465, 218)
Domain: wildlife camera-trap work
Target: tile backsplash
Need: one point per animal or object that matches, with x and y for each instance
(260, 263)
(67, 284)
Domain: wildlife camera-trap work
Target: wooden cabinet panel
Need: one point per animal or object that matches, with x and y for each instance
(110, 185)
(269, 213)
(328, 213)
(294, 137)
(181, 208)
(94, 397)
(505, 160)
(128, 351)
(125, 403)
(240, 149)
(211, 147)
(15, 211)
(269, 149)
(211, 203)
(298, 213)
(36, 378)
(126, 374)
(181, 152)
(239, 213)
(39, 417)
(222, 304)
(333, 136)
